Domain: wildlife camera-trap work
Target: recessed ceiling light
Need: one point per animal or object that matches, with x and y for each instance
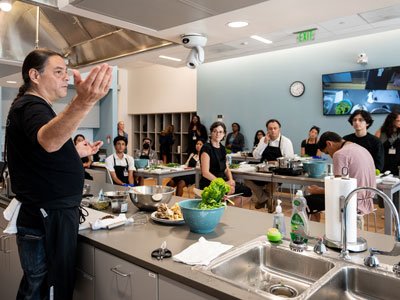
(170, 58)
(237, 24)
(5, 5)
(11, 81)
(261, 39)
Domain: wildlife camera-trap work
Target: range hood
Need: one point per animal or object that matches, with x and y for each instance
(81, 40)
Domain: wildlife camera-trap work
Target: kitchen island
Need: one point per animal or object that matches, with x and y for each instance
(166, 279)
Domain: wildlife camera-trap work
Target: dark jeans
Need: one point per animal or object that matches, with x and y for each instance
(31, 248)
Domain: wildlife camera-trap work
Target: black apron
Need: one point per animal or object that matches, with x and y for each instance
(271, 153)
(121, 171)
(392, 155)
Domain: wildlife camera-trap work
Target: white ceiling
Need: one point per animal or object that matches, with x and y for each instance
(275, 20)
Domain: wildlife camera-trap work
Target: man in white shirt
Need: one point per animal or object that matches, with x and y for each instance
(119, 164)
(269, 148)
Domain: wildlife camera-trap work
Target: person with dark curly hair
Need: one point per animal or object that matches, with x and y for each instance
(234, 139)
(259, 134)
(196, 131)
(389, 134)
(361, 120)
(119, 164)
(309, 146)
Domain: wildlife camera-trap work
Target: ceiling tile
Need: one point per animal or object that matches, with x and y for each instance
(343, 23)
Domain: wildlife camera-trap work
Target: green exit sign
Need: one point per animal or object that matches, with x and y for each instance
(306, 36)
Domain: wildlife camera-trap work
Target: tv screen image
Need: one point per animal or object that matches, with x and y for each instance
(375, 90)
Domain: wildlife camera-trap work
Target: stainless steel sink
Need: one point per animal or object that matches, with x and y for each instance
(269, 270)
(359, 283)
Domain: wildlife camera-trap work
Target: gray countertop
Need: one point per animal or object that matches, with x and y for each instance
(134, 243)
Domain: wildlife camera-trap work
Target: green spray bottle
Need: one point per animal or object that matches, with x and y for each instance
(299, 220)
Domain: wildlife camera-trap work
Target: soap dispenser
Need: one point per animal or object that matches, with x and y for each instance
(299, 220)
(279, 219)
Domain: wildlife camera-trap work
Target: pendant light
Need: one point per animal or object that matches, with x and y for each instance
(5, 5)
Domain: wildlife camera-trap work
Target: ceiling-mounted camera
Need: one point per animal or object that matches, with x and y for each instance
(195, 42)
(362, 58)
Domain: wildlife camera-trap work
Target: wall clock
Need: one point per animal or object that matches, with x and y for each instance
(297, 89)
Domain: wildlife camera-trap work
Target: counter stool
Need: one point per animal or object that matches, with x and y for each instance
(360, 218)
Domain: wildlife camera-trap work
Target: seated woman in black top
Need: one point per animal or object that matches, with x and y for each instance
(86, 161)
(181, 181)
(213, 162)
(309, 146)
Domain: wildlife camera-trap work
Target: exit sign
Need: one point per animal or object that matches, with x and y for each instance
(306, 35)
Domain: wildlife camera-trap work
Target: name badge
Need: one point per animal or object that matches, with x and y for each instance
(125, 173)
(392, 150)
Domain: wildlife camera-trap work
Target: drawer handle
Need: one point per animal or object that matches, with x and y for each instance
(5, 244)
(116, 271)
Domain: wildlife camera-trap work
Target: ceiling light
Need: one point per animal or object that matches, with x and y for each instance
(170, 58)
(11, 81)
(261, 39)
(237, 24)
(5, 5)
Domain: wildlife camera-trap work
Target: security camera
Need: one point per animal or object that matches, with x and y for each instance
(192, 40)
(362, 58)
(195, 42)
(195, 58)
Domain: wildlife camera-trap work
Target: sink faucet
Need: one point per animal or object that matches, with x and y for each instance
(371, 260)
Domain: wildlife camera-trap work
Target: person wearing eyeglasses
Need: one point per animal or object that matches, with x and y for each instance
(214, 164)
(269, 148)
(360, 165)
(361, 120)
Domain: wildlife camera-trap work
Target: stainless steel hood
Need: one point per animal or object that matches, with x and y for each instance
(83, 41)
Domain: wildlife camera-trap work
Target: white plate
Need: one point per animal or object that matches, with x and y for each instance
(165, 221)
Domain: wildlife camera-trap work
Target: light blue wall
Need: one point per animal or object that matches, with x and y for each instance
(250, 90)
(108, 115)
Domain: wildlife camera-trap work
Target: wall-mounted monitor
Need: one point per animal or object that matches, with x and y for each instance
(375, 90)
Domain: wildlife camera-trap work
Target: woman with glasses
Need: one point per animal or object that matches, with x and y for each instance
(213, 162)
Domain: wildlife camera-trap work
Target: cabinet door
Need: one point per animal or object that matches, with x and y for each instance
(10, 267)
(172, 290)
(118, 279)
(84, 286)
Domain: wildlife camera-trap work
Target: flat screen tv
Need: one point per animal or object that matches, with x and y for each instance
(375, 90)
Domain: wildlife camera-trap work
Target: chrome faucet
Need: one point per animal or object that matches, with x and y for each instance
(371, 260)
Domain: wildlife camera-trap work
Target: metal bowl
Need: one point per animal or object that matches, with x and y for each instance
(149, 197)
(116, 194)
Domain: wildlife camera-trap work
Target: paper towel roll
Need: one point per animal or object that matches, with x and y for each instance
(334, 189)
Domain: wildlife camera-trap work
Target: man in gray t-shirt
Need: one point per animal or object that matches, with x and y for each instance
(359, 163)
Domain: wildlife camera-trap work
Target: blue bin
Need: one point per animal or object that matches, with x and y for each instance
(200, 220)
(141, 163)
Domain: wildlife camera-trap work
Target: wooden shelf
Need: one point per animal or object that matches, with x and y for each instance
(150, 125)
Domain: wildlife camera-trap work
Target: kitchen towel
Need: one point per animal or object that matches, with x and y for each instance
(11, 215)
(334, 189)
(201, 252)
(111, 223)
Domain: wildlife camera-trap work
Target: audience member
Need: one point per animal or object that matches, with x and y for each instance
(121, 129)
(184, 181)
(389, 134)
(196, 131)
(214, 163)
(119, 164)
(234, 139)
(146, 152)
(269, 148)
(360, 165)
(259, 134)
(86, 161)
(361, 120)
(309, 146)
(166, 142)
